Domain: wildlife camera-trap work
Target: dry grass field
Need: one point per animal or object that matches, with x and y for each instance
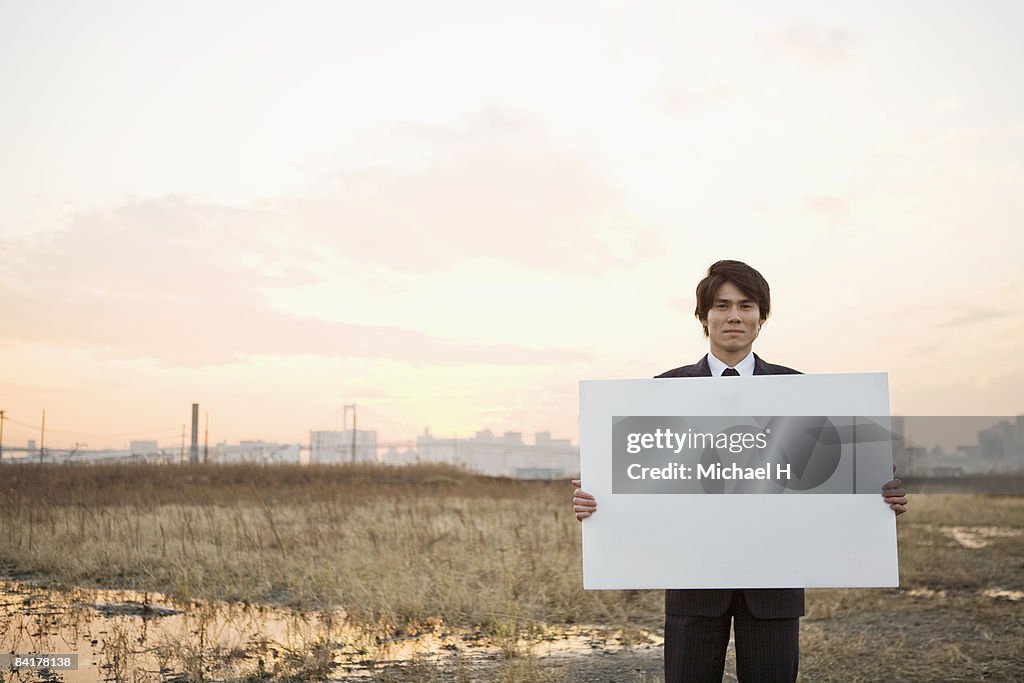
(403, 551)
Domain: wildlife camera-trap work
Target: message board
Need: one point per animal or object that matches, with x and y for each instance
(770, 481)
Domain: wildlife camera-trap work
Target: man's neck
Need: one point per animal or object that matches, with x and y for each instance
(731, 358)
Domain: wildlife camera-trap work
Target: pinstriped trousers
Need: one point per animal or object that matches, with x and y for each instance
(767, 650)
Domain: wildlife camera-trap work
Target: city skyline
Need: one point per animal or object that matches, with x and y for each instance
(450, 214)
(30, 435)
(960, 435)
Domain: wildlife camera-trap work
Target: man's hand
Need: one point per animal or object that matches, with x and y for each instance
(895, 495)
(583, 504)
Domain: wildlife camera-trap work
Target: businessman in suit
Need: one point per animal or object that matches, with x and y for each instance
(733, 303)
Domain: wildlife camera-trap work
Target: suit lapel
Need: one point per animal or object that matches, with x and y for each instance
(759, 366)
(701, 369)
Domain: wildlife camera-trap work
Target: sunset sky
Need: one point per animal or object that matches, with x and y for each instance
(448, 213)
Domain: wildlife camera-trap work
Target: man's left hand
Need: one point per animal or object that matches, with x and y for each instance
(895, 495)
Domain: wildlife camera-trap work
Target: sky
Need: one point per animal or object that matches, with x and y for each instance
(449, 213)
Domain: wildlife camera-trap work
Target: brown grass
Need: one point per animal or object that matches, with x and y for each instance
(388, 545)
(400, 548)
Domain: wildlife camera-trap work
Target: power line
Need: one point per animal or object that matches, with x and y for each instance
(61, 432)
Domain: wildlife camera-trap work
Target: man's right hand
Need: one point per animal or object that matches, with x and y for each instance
(583, 504)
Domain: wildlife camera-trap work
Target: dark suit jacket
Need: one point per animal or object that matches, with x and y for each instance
(764, 603)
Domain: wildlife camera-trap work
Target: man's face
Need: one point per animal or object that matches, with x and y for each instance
(733, 321)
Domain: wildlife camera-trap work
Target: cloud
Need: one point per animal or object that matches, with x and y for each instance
(37, 389)
(685, 101)
(818, 47)
(180, 282)
(826, 204)
(975, 315)
(185, 280)
(497, 187)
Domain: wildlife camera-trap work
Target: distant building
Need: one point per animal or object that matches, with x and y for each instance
(908, 459)
(257, 452)
(943, 471)
(123, 455)
(336, 447)
(143, 446)
(992, 443)
(503, 456)
(544, 440)
(1000, 450)
(1003, 443)
(899, 427)
(394, 456)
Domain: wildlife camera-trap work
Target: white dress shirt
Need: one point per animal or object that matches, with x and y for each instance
(745, 367)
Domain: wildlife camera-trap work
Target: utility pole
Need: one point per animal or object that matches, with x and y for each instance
(1, 435)
(42, 437)
(74, 450)
(344, 425)
(193, 453)
(206, 440)
(181, 456)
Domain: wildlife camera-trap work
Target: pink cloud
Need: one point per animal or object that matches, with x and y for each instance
(498, 188)
(184, 280)
(818, 47)
(170, 280)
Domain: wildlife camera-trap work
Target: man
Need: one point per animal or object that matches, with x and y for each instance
(733, 303)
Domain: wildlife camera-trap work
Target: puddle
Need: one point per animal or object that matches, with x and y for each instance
(124, 635)
(975, 537)
(924, 593)
(1004, 594)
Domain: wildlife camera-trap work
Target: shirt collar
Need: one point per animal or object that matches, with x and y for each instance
(745, 367)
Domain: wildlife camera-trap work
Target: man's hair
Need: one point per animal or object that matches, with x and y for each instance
(746, 279)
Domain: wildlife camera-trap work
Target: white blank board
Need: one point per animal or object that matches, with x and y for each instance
(734, 541)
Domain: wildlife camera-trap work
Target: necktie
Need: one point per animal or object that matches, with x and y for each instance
(731, 372)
